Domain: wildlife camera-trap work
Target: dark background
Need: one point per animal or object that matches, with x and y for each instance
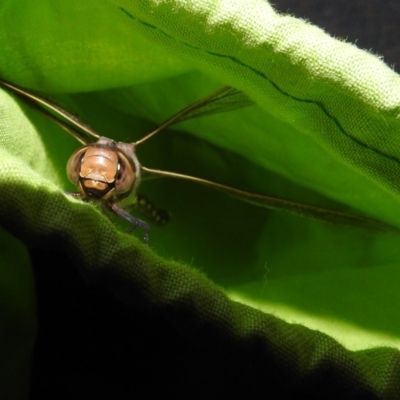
(370, 24)
(90, 346)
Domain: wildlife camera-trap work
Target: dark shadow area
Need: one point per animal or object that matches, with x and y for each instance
(91, 346)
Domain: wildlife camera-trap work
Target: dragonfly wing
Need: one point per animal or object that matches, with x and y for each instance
(223, 100)
(70, 122)
(300, 209)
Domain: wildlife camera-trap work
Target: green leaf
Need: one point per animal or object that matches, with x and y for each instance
(323, 132)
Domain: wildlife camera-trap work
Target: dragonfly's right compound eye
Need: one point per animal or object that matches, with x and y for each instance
(75, 163)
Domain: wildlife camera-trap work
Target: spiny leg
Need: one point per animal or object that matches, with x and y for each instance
(135, 222)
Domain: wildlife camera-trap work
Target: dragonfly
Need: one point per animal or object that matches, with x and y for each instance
(109, 172)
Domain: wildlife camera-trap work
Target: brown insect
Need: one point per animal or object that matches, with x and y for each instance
(109, 172)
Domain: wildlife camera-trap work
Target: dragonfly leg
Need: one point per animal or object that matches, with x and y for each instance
(135, 222)
(76, 195)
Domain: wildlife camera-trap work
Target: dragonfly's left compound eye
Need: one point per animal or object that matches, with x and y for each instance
(75, 163)
(126, 174)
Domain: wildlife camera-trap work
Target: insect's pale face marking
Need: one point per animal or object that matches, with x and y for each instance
(98, 168)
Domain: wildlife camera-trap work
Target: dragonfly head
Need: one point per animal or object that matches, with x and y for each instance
(104, 170)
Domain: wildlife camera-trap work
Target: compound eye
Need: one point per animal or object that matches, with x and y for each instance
(126, 175)
(119, 170)
(74, 164)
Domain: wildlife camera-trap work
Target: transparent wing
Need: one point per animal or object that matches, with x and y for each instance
(300, 209)
(70, 122)
(223, 100)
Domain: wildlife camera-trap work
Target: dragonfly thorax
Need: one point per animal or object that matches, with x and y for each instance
(105, 169)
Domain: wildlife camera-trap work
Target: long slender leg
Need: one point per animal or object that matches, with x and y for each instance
(135, 222)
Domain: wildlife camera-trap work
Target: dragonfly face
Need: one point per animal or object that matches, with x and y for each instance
(105, 170)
